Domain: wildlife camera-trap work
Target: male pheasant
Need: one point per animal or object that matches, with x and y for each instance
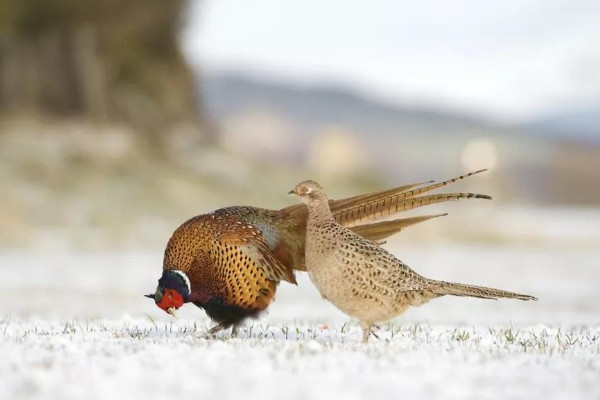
(230, 261)
(363, 279)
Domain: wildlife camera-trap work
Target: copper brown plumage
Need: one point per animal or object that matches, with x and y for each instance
(230, 266)
(231, 260)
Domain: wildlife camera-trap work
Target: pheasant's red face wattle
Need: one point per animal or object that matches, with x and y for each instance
(171, 299)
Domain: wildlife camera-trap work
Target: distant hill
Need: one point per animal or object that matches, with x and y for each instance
(582, 124)
(540, 161)
(229, 95)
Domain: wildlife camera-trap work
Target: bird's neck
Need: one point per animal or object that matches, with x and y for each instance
(319, 211)
(201, 295)
(200, 291)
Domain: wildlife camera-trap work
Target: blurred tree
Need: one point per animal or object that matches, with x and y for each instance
(110, 60)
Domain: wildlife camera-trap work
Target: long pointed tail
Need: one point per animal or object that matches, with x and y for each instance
(357, 211)
(398, 193)
(372, 211)
(460, 289)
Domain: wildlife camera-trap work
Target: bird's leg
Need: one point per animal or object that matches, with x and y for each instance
(235, 328)
(217, 328)
(366, 327)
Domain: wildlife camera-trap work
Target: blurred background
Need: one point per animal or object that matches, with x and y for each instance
(120, 120)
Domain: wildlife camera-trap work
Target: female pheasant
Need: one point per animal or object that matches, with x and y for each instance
(363, 279)
(229, 262)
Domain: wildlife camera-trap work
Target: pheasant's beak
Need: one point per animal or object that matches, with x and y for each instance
(172, 311)
(293, 192)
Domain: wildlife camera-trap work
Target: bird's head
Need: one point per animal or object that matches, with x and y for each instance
(172, 292)
(308, 191)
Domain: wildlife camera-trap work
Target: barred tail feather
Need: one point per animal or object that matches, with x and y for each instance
(378, 209)
(460, 289)
(338, 205)
(401, 192)
(434, 186)
(358, 210)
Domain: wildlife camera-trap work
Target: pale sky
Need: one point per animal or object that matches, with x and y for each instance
(509, 59)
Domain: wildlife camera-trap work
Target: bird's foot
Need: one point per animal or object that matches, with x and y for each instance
(210, 334)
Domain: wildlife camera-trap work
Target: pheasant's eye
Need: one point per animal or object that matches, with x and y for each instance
(304, 190)
(170, 296)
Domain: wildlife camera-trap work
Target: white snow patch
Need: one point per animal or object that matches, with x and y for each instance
(137, 358)
(78, 327)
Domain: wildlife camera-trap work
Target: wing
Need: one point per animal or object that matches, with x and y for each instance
(380, 267)
(245, 243)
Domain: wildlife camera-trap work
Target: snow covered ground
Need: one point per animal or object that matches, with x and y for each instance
(133, 358)
(75, 325)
